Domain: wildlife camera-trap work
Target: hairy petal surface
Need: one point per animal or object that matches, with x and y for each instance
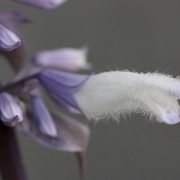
(166, 83)
(68, 59)
(111, 94)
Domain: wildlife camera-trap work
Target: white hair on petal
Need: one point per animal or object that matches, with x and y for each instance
(115, 93)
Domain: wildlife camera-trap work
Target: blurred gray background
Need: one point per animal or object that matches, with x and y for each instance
(141, 35)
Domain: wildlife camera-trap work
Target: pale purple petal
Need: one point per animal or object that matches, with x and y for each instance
(11, 113)
(8, 39)
(73, 136)
(42, 117)
(61, 86)
(68, 59)
(44, 4)
(13, 21)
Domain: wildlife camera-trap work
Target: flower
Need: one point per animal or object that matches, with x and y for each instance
(115, 93)
(10, 111)
(111, 94)
(67, 59)
(8, 39)
(38, 123)
(42, 125)
(13, 20)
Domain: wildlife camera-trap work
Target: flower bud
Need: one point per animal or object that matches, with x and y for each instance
(11, 113)
(68, 59)
(42, 117)
(8, 39)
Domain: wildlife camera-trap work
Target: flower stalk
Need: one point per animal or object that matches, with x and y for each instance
(11, 165)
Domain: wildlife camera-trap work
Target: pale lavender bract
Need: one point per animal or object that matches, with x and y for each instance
(42, 117)
(61, 86)
(66, 59)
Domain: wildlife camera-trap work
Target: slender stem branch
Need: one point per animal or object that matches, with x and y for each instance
(81, 157)
(10, 159)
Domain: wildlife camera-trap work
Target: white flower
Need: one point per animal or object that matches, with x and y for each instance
(115, 93)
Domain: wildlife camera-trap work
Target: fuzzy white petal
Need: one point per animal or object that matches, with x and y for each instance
(111, 94)
(165, 82)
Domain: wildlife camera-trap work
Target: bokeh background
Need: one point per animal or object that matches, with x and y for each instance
(140, 35)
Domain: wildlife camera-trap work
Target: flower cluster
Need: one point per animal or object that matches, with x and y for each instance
(97, 96)
(21, 101)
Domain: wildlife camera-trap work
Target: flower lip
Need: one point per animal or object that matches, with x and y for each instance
(116, 93)
(169, 117)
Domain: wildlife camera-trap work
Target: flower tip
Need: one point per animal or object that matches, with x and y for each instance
(171, 118)
(11, 113)
(68, 59)
(13, 121)
(8, 40)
